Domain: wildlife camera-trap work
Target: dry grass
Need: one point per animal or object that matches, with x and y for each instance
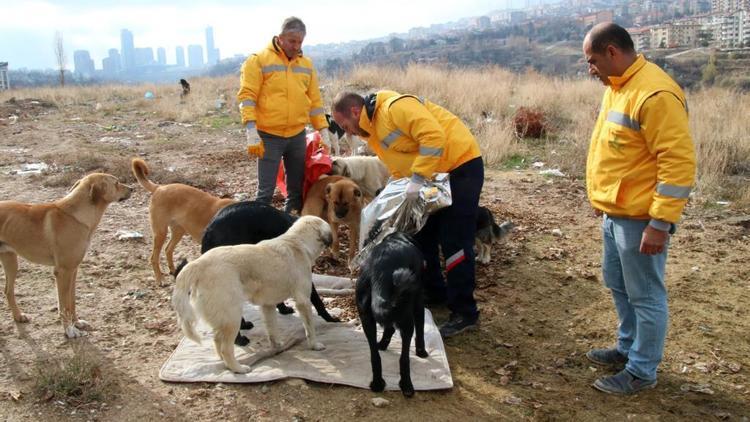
(718, 119)
(77, 380)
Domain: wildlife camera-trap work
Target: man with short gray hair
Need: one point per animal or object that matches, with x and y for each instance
(278, 96)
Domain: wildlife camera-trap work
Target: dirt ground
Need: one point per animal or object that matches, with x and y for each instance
(542, 301)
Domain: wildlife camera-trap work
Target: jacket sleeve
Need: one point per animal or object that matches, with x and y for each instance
(317, 112)
(664, 123)
(414, 119)
(251, 80)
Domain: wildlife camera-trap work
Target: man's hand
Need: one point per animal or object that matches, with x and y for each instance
(254, 144)
(653, 241)
(412, 189)
(325, 138)
(597, 212)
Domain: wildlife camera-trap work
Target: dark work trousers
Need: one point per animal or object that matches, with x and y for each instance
(453, 229)
(293, 151)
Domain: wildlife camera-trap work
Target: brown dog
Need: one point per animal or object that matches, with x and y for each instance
(338, 200)
(181, 208)
(56, 234)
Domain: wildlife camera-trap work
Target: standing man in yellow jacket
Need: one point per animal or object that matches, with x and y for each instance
(640, 171)
(416, 138)
(278, 96)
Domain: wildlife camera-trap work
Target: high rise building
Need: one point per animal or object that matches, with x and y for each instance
(111, 64)
(161, 56)
(195, 55)
(127, 49)
(212, 53)
(83, 64)
(4, 81)
(144, 56)
(179, 53)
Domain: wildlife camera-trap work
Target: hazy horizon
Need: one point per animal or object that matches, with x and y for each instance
(27, 28)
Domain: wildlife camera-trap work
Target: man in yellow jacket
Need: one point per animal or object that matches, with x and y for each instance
(639, 174)
(416, 138)
(278, 96)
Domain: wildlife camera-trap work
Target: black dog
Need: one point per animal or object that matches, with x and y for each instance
(185, 88)
(389, 292)
(250, 222)
(334, 128)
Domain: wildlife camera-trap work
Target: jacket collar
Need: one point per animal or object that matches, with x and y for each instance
(368, 113)
(616, 82)
(275, 47)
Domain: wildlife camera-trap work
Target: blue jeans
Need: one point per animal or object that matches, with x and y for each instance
(636, 281)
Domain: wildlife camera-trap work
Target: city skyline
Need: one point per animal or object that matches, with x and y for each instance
(95, 27)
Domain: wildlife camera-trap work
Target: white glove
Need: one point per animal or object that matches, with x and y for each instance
(412, 189)
(251, 134)
(325, 138)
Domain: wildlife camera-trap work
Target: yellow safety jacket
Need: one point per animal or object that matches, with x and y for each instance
(280, 95)
(641, 161)
(414, 137)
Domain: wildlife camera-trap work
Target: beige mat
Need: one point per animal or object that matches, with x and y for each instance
(346, 359)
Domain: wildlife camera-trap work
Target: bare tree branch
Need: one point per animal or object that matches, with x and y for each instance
(60, 56)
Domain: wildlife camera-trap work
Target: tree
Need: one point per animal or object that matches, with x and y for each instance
(60, 56)
(709, 71)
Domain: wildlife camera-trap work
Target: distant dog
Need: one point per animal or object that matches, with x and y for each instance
(56, 234)
(185, 88)
(488, 232)
(220, 281)
(250, 222)
(356, 145)
(180, 208)
(338, 200)
(368, 172)
(389, 293)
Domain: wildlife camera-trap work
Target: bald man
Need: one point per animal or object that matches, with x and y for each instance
(639, 173)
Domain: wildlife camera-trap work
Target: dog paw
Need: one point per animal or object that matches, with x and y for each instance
(83, 325)
(383, 345)
(241, 340)
(22, 318)
(329, 318)
(318, 346)
(73, 332)
(377, 385)
(407, 389)
(246, 325)
(241, 369)
(284, 310)
(422, 353)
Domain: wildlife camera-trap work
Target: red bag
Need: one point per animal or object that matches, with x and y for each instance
(317, 163)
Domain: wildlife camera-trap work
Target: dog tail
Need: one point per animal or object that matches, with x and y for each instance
(404, 283)
(140, 171)
(181, 301)
(503, 230)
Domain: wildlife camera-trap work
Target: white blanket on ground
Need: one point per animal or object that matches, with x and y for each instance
(346, 359)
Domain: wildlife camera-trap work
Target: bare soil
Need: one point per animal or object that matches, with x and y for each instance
(542, 300)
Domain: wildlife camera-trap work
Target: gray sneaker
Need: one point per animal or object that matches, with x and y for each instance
(457, 324)
(607, 357)
(623, 383)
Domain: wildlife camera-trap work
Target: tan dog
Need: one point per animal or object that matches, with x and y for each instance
(219, 281)
(56, 234)
(338, 200)
(181, 208)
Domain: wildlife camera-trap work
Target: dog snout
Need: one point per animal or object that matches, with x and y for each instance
(328, 238)
(127, 190)
(341, 211)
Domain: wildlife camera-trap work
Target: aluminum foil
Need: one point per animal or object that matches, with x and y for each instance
(391, 211)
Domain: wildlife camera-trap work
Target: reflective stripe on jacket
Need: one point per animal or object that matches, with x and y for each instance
(413, 136)
(641, 160)
(279, 95)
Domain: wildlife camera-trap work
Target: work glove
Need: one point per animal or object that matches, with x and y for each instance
(254, 143)
(416, 183)
(325, 138)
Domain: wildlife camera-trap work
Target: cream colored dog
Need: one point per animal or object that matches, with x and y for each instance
(368, 172)
(179, 208)
(56, 234)
(220, 281)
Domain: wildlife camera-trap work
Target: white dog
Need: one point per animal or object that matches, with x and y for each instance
(266, 273)
(356, 145)
(368, 172)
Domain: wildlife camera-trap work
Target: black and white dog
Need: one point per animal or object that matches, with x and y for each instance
(356, 145)
(389, 293)
(249, 222)
(488, 232)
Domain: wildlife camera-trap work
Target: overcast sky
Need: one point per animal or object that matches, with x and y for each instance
(27, 27)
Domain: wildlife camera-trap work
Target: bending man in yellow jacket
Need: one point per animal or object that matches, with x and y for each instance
(278, 96)
(640, 171)
(416, 138)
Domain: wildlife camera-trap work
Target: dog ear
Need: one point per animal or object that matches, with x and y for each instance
(75, 185)
(95, 191)
(328, 190)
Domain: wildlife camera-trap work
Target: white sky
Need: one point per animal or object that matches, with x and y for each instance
(27, 27)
